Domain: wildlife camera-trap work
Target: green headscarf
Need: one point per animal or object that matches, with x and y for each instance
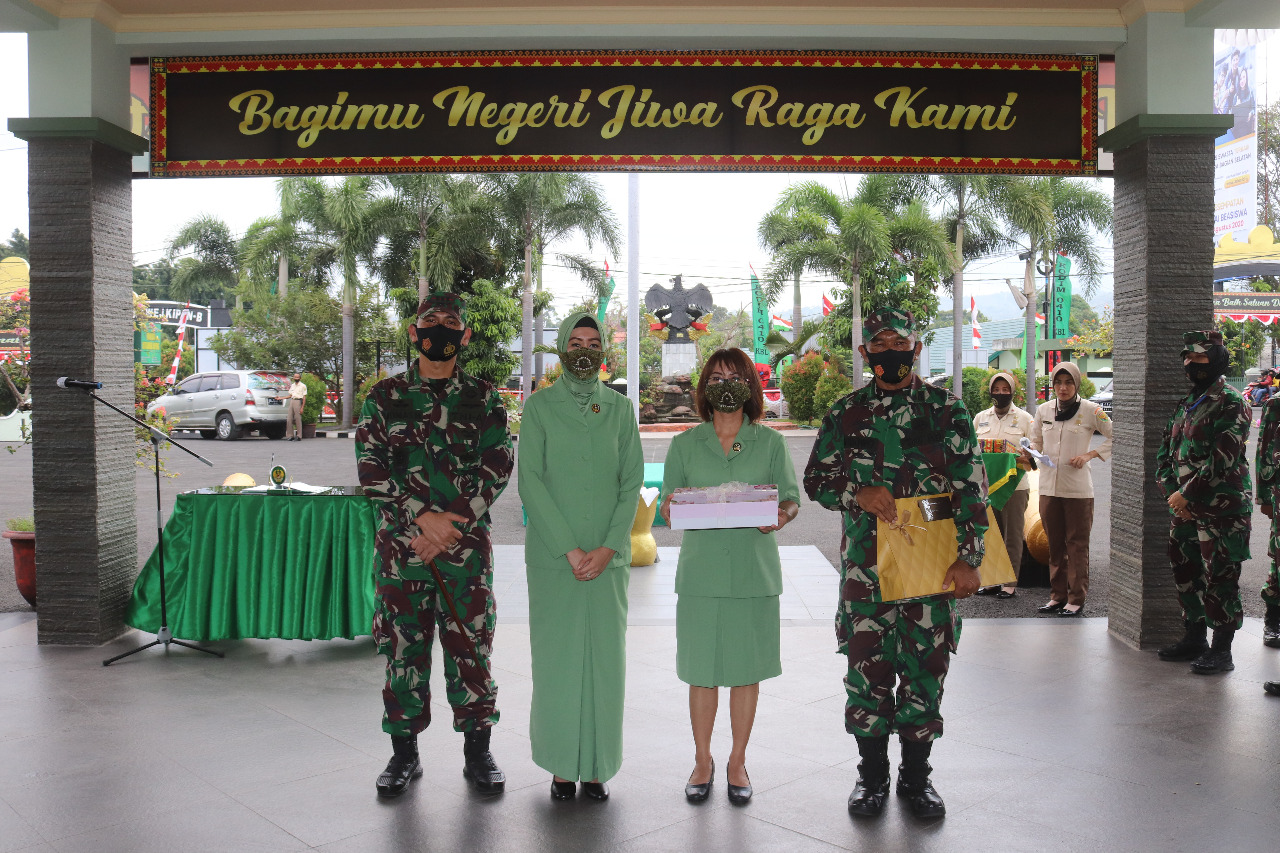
(581, 389)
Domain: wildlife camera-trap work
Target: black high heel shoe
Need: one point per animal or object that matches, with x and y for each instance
(699, 793)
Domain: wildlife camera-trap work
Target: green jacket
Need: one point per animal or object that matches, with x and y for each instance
(1202, 453)
(734, 562)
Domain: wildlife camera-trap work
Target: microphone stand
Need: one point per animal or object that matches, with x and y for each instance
(164, 635)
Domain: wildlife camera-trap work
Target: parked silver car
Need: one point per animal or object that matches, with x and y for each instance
(228, 403)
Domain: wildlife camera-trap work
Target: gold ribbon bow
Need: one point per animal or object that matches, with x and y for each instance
(903, 522)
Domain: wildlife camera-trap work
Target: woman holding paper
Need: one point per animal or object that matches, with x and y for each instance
(728, 580)
(580, 473)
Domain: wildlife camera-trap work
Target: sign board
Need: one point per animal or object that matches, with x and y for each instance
(1235, 170)
(171, 312)
(146, 344)
(582, 111)
(1060, 305)
(10, 339)
(1237, 303)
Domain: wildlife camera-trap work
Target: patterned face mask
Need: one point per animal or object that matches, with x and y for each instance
(582, 363)
(728, 396)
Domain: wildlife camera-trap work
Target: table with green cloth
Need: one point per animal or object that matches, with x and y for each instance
(267, 564)
(1003, 476)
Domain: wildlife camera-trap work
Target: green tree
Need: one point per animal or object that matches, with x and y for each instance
(153, 279)
(206, 261)
(494, 318)
(1268, 166)
(1097, 339)
(799, 383)
(847, 236)
(1243, 342)
(541, 208)
(344, 222)
(17, 246)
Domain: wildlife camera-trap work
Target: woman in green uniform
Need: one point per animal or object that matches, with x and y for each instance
(579, 475)
(728, 580)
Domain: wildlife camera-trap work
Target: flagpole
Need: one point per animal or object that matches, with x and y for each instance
(633, 292)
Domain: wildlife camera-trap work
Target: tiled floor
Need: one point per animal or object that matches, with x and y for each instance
(1058, 738)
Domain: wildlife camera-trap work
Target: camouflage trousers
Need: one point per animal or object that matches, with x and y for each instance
(1206, 555)
(1271, 589)
(899, 653)
(404, 624)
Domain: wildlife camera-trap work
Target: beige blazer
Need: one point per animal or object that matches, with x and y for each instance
(1014, 426)
(1062, 441)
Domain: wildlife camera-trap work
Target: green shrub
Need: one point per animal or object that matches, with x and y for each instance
(799, 383)
(974, 394)
(314, 406)
(832, 385)
(362, 393)
(25, 524)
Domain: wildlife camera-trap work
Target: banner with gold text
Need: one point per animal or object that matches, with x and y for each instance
(623, 111)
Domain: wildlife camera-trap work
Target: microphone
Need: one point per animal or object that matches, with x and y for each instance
(86, 384)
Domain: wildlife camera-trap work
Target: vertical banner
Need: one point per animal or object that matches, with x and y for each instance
(604, 301)
(1235, 171)
(759, 320)
(1060, 306)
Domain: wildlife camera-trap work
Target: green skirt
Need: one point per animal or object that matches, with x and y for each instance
(727, 642)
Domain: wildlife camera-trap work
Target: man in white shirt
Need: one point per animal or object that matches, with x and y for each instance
(297, 399)
(1006, 421)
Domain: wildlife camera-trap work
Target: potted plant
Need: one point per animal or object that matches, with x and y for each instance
(22, 536)
(314, 406)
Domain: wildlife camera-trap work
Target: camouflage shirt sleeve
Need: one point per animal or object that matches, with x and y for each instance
(826, 476)
(373, 462)
(496, 461)
(1166, 467)
(968, 485)
(1266, 452)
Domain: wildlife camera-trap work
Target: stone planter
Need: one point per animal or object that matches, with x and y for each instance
(24, 563)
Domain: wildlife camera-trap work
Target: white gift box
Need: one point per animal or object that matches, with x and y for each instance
(730, 505)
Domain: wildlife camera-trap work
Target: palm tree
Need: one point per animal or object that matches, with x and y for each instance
(541, 208)
(213, 268)
(444, 218)
(270, 246)
(345, 222)
(841, 235)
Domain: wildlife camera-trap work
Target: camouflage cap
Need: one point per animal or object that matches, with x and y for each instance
(1200, 341)
(894, 319)
(449, 303)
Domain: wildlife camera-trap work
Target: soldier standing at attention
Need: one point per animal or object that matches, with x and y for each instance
(1268, 484)
(897, 438)
(1202, 468)
(433, 454)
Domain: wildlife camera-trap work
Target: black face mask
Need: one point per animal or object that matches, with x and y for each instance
(439, 342)
(1204, 374)
(892, 366)
(1003, 401)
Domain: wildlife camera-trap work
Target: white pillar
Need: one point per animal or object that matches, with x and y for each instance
(634, 332)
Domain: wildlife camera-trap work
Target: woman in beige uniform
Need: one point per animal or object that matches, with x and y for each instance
(1063, 428)
(1007, 421)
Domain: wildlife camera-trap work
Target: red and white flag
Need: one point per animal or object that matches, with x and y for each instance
(177, 356)
(973, 321)
(827, 305)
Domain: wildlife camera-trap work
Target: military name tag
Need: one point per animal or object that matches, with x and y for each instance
(922, 438)
(936, 509)
(398, 409)
(471, 406)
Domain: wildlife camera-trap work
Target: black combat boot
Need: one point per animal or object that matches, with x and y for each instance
(1192, 645)
(868, 796)
(1271, 626)
(913, 780)
(402, 768)
(1218, 658)
(480, 768)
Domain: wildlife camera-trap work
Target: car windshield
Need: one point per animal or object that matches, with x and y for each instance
(268, 382)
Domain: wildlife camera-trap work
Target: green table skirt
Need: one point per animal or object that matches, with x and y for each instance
(296, 567)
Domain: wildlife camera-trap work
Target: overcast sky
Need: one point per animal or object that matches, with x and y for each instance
(700, 225)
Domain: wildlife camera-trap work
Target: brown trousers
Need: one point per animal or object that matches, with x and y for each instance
(1013, 521)
(1067, 524)
(295, 416)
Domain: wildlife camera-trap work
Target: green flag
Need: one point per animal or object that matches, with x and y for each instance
(604, 301)
(759, 320)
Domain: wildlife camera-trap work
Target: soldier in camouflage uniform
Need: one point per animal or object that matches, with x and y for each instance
(433, 453)
(1202, 468)
(1268, 485)
(897, 438)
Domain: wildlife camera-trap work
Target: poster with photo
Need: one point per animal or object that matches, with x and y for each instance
(1235, 88)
